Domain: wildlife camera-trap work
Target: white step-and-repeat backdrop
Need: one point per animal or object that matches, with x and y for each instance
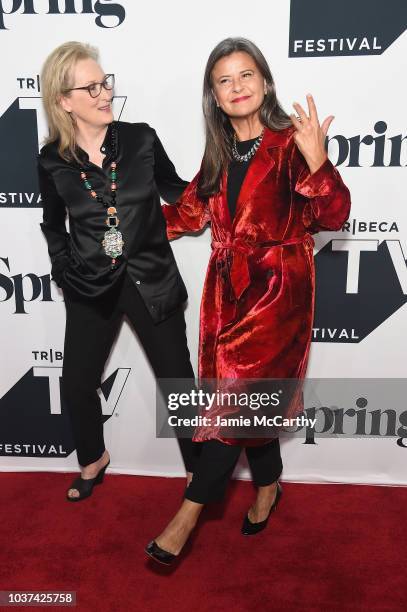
(351, 56)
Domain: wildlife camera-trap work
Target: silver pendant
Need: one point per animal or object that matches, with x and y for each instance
(113, 243)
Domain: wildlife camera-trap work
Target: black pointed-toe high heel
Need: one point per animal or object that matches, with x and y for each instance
(85, 487)
(249, 528)
(159, 554)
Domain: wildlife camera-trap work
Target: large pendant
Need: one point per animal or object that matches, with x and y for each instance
(113, 241)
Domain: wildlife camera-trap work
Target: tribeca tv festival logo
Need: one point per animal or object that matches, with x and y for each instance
(361, 280)
(34, 420)
(104, 9)
(20, 126)
(321, 28)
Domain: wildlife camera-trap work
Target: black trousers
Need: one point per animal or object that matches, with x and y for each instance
(91, 327)
(216, 463)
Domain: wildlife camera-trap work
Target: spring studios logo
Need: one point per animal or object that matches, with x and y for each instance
(320, 28)
(34, 420)
(109, 14)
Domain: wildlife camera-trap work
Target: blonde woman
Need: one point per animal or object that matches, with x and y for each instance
(107, 176)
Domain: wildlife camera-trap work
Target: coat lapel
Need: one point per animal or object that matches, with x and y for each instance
(224, 213)
(261, 165)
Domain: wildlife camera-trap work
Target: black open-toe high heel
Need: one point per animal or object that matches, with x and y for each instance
(85, 487)
(159, 554)
(249, 528)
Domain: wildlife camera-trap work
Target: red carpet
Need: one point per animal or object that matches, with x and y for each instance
(327, 548)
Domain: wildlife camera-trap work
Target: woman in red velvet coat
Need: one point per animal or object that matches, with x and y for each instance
(265, 185)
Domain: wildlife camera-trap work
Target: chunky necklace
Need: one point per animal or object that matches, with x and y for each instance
(250, 152)
(113, 240)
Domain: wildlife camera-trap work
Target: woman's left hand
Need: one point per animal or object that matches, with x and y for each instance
(310, 136)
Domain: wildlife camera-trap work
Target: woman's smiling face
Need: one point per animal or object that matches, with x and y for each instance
(97, 111)
(238, 85)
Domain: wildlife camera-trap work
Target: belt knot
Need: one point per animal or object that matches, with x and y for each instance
(237, 250)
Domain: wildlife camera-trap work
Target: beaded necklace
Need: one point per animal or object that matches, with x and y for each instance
(113, 240)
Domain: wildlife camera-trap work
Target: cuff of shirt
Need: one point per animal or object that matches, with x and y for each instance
(58, 266)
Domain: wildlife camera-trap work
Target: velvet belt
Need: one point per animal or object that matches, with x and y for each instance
(237, 250)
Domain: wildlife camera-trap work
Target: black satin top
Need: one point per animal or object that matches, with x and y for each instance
(144, 173)
(236, 172)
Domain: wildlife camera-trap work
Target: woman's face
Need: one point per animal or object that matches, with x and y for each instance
(238, 85)
(95, 112)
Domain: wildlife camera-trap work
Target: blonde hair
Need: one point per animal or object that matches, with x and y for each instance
(56, 78)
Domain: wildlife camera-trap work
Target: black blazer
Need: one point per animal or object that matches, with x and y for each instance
(144, 172)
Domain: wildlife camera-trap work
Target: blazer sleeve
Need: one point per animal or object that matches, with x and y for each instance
(327, 204)
(189, 214)
(53, 225)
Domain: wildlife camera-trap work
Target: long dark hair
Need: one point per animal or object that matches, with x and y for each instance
(219, 132)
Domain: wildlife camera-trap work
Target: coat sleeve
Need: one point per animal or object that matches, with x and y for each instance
(188, 214)
(53, 225)
(327, 199)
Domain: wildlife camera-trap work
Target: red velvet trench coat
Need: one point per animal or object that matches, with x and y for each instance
(258, 299)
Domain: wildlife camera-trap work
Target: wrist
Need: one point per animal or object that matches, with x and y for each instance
(316, 163)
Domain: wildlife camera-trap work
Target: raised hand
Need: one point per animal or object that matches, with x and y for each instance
(310, 136)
